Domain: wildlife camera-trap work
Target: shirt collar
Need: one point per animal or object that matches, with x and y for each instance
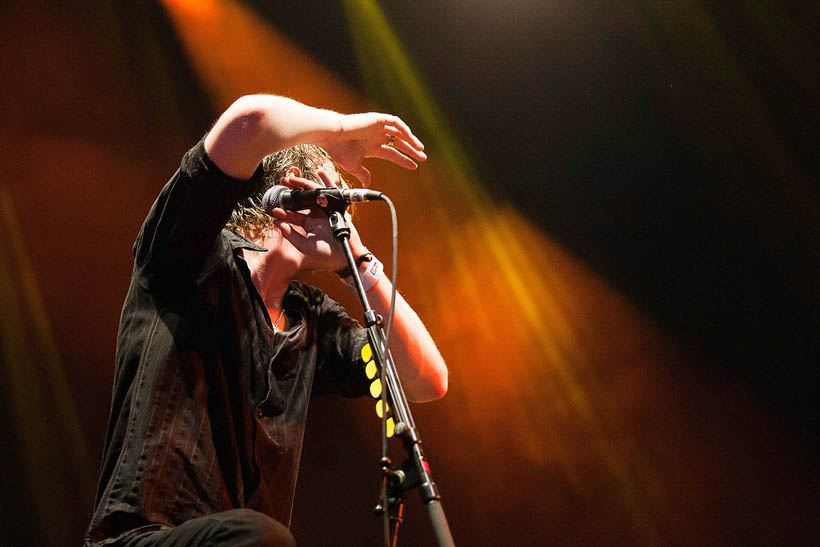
(238, 242)
(297, 293)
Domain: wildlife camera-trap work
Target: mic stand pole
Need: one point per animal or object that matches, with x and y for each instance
(415, 472)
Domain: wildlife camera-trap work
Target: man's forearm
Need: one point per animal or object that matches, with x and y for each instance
(420, 365)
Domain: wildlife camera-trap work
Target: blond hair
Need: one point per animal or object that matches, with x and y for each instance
(249, 218)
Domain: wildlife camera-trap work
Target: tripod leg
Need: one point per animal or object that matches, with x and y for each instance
(396, 513)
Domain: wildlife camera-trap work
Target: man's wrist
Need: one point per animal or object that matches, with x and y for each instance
(370, 269)
(362, 256)
(332, 128)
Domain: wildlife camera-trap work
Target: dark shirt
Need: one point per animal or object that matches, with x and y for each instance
(209, 401)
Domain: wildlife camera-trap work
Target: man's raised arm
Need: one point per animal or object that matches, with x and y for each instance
(257, 125)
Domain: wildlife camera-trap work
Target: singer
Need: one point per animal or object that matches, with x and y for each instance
(219, 349)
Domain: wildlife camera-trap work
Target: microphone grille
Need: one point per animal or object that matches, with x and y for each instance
(273, 197)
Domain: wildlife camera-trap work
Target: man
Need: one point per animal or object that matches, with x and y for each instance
(219, 350)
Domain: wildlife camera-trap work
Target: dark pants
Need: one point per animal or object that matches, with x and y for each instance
(235, 528)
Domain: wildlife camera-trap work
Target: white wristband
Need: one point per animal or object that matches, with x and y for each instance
(369, 273)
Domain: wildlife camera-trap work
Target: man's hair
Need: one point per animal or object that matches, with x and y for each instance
(249, 218)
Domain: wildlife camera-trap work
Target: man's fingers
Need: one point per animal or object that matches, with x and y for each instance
(406, 148)
(390, 153)
(328, 180)
(295, 238)
(400, 143)
(362, 174)
(299, 183)
(290, 217)
(405, 132)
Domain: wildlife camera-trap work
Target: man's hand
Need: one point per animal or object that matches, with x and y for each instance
(310, 233)
(374, 135)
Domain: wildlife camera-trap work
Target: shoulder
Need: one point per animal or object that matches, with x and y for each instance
(303, 294)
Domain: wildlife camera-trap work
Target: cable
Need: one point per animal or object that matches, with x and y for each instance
(386, 477)
(394, 222)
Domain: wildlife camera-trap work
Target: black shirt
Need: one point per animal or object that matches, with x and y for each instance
(209, 401)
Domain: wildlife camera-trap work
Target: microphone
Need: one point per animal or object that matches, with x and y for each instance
(298, 200)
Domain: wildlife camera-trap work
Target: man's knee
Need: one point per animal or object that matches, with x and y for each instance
(252, 528)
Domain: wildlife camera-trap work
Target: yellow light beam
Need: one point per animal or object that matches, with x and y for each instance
(391, 76)
(54, 453)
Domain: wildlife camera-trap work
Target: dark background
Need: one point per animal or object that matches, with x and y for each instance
(681, 168)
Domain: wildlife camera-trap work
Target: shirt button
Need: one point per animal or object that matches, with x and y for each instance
(259, 412)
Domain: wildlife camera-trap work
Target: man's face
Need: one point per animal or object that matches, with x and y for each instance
(315, 228)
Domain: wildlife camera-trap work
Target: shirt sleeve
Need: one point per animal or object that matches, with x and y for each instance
(189, 214)
(340, 367)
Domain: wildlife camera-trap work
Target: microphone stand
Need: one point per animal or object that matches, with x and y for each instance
(415, 471)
